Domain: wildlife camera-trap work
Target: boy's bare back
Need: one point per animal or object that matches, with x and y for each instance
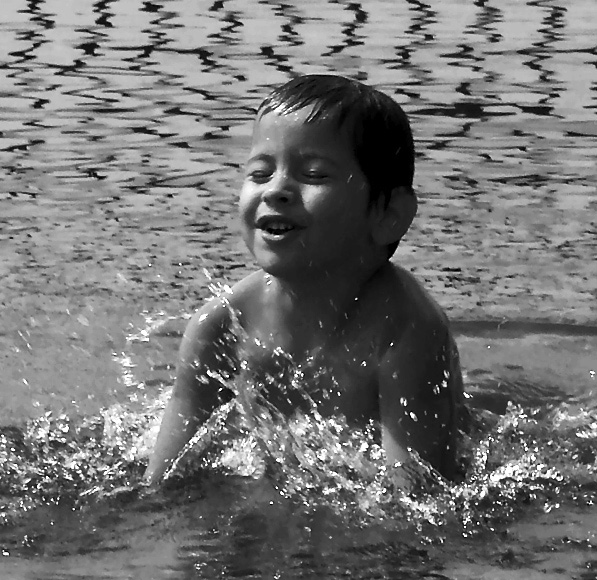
(369, 342)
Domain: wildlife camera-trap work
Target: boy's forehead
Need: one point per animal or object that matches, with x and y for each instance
(287, 121)
(297, 116)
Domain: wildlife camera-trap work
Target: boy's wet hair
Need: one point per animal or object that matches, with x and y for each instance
(381, 134)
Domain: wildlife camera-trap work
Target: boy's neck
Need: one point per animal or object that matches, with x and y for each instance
(323, 302)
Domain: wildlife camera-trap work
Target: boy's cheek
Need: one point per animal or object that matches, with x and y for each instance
(247, 197)
(244, 206)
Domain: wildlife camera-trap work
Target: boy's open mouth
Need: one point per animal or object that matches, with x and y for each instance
(276, 226)
(278, 229)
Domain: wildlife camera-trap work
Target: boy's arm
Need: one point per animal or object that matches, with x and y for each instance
(420, 385)
(205, 355)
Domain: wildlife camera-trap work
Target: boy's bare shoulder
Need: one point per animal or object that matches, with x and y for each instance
(406, 301)
(249, 288)
(209, 322)
(217, 312)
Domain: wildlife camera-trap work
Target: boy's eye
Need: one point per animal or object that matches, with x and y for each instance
(315, 173)
(259, 173)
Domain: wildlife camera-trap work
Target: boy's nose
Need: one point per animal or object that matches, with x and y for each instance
(278, 196)
(280, 190)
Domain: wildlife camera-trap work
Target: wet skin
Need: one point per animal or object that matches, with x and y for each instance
(305, 178)
(327, 297)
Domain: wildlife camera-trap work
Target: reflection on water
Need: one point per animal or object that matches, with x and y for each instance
(123, 125)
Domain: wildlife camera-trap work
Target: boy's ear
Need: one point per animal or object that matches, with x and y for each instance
(391, 223)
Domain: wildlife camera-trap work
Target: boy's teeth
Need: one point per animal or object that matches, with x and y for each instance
(278, 227)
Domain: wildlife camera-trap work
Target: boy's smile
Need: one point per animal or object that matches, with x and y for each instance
(304, 200)
(275, 227)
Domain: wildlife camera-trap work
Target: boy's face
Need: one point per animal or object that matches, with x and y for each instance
(304, 200)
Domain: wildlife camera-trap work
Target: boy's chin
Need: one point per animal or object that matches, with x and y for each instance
(285, 269)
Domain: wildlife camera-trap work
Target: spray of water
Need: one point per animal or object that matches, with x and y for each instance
(544, 455)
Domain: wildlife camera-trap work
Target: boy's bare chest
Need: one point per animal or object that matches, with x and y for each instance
(339, 375)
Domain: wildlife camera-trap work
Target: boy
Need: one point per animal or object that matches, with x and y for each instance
(327, 197)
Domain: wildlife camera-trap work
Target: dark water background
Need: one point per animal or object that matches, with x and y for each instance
(123, 127)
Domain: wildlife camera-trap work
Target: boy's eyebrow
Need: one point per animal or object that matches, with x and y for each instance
(259, 157)
(315, 154)
(307, 155)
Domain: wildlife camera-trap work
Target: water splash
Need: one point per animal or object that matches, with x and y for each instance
(539, 455)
